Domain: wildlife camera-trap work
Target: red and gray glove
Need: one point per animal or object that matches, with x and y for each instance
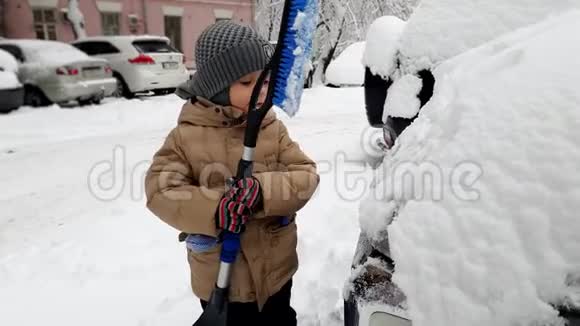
(238, 204)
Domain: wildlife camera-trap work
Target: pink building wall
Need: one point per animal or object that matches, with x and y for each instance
(197, 14)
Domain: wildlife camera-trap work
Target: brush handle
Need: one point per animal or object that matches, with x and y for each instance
(230, 249)
(231, 241)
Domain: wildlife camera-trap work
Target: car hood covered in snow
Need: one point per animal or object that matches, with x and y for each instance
(483, 188)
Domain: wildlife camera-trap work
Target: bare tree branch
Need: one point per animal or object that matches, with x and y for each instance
(341, 23)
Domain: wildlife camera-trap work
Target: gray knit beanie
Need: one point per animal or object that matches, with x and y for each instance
(225, 52)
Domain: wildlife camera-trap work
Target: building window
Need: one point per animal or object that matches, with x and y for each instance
(110, 22)
(173, 30)
(44, 23)
(222, 14)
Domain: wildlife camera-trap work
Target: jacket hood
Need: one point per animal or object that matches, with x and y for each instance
(207, 114)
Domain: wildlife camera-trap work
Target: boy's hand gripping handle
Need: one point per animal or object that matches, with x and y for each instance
(231, 241)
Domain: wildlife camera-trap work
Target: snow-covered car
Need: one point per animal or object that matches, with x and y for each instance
(11, 90)
(347, 69)
(478, 94)
(140, 63)
(56, 72)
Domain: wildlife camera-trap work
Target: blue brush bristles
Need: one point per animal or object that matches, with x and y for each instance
(297, 46)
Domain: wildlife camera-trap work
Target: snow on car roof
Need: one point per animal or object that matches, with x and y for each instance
(32, 43)
(440, 29)
(127, 38)
(49, 52)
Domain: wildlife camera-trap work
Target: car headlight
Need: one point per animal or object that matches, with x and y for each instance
(380, 318)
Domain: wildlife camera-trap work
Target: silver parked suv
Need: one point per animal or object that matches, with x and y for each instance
(140, 63)
(55, 72)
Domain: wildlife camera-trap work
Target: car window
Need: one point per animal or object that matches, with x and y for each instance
(153, 46)
(85, 47)
(96, 48)
(14, 50)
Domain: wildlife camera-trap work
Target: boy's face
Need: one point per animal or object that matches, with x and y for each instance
(241, 91)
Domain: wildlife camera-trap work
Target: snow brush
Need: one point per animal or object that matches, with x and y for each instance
(286, 71)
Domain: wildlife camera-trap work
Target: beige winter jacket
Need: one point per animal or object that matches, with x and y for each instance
(186, 181)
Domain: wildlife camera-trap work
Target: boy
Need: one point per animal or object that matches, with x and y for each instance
(185, 184)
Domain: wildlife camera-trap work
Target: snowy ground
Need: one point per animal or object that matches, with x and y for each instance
(75, 253)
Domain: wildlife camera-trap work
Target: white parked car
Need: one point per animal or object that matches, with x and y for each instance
(56, 72)
(140, 63)
(11, 90)
(347, 69)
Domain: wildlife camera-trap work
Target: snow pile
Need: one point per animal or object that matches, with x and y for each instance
(441, 29)
(99, 255)
(402, 100)
(382, 41)
(347, 69)
(52, 53)
(8, 62)
(8, 80)
(486, 228)
(54, 124)
(8, 70)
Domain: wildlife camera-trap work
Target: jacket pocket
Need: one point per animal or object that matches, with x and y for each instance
(201, 260)
(278, 224)
(203, 266)
(284, 259)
